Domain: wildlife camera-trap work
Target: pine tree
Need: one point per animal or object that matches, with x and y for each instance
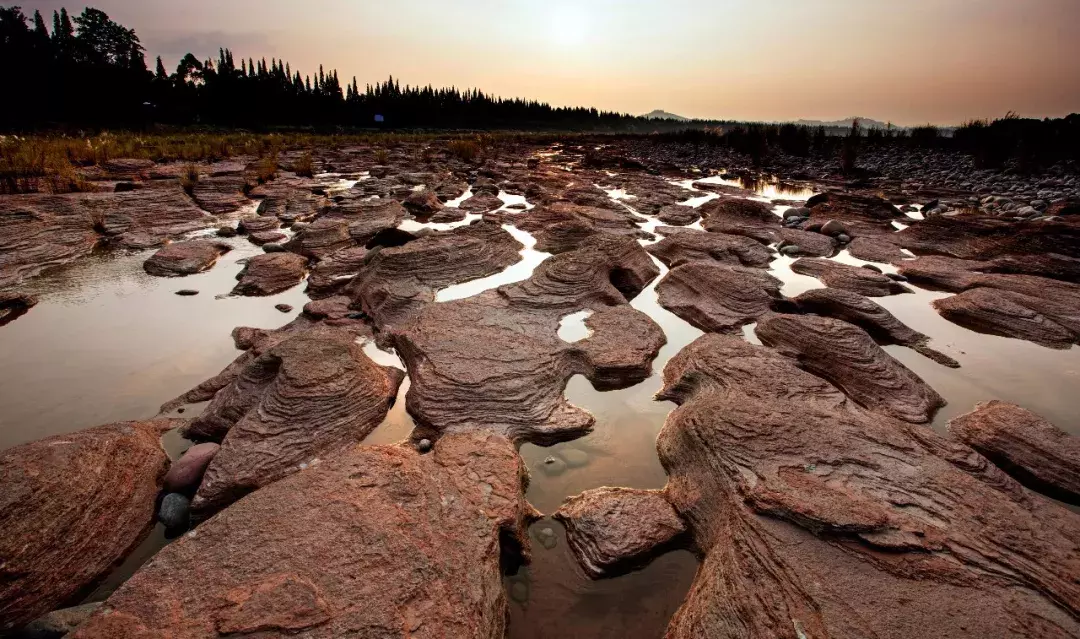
(160, 73)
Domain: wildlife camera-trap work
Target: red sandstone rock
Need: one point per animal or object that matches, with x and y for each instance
(681, 248)
(849, 278)
(271, 273)
(1031, 449)
(185, 258)
(818, 519)
(563, 227)
(14, 304)
(378, 542)
(186, 473)
(718, 298)
(1004, 313)
(304, 398)
(847, 356)
(612, 529)
(219, 195)
(678, 215)
(71, 506)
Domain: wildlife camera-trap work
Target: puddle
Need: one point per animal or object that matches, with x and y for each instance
(572, 327)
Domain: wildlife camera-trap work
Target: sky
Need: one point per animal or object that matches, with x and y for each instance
(909, 62)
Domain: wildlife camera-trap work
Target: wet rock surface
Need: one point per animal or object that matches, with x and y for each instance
(808, 509)
(70, 507)
(185, 258)
(680, 248)
(849, 278)
(422, 530)
(1031, 449)
(612, 529)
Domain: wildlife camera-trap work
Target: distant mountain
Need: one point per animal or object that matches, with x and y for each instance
(866, 123)
(664, 115)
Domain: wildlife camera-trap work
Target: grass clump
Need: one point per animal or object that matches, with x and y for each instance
(304, 166)
(467, 150)
(189, 178)
(381, 156)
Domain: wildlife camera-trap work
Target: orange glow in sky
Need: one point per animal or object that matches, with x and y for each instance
(941, 61)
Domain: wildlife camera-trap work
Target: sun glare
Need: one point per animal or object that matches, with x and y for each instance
(570, 26)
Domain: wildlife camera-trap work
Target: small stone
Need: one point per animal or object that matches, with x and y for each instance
(519, 591)
(187, 292)
(284, 308)
(553, 466)
(843, 238)
(547, 538)
(226, 231)
(186, 473)
(574, 458)
(174, 511)
(871, 267)
(834, 228)
(273, 248)
(424, 445)
(791, 250)
(896, 277)
(796, 213)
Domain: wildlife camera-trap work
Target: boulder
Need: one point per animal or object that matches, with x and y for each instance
(185, 473)
(849, 278)
(682, 248)
(71, 507)
(185, 258)
(678, 215)
(423, 203)
(271, 273)
(1007, 314)
(380, 541)
(613, 529)
(1035, 452)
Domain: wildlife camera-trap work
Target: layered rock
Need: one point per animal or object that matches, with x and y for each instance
(871, 317)
(219, 195)
(395, 284)
(14, 304)
(976, 237)
(818, 519)
(303, 398)
(876, 249)
(848, 357)
(849, 278)
(494, 361)
(718, 298)
(678, 215)
(804, 243)
(334, 271)
(367, 218)
(380, 541)
(322, 237)
(612, 529)
(1004, 313)
(71, 507)
(563, 227)
(1038, 454)
(271, 273)
(681, 248)
(185, 258)
(740, 217)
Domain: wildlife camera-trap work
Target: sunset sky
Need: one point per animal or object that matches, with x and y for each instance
(911, 62)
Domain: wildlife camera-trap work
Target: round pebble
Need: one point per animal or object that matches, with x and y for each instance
(174, 511)
(424, 445)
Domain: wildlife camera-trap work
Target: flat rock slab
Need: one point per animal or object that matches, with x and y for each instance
(718, 298)
(220, 195)
(611, 530)
(817, 518)
(185, 258)
(299, 400)
(678, 215)
(848, 357)
(849, 278)
(71, 507)
(871, 317)
(322, 237)
(271, 273)
(562, 226)
(379, 542)
(1031, 449)
(736, 250)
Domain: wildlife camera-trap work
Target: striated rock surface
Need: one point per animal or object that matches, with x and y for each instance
(678, 215)
(804, 243)
(186, 473)
(336, 270)
(563, 227)
(219, 195)
(378, 542)
(1038, 454)
(613, 529)
(818, 519)
(303, 398)
(871, 317)
(1007, 314)
(322, 237)
(271, 273)
(849, 278)
(977, 237)
(876, 249)
(71, 506)
(185, 258)
(367, 218)
(718, 298)
(847, 356)
(681, 248)
(395, 284)
(495, 361)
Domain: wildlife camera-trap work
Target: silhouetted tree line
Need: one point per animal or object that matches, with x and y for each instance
(91, 71)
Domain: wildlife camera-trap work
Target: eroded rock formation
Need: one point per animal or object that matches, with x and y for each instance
(680, 248)
(379, 542)
(72, 506)
(271, 273)
(719, 298)
(185, 258)
(849, 278)
(1031, 449)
